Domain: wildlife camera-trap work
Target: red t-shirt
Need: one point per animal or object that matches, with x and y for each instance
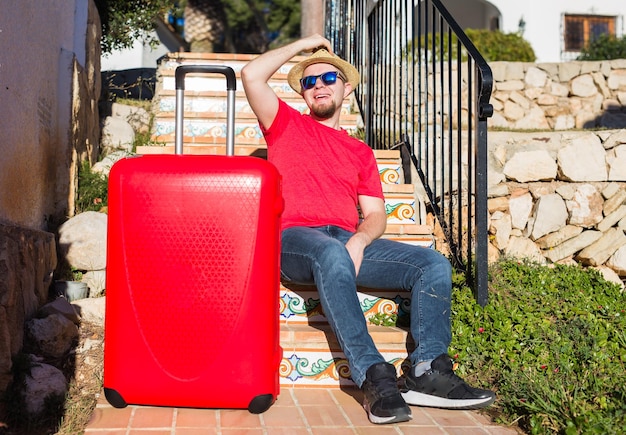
(324, 170)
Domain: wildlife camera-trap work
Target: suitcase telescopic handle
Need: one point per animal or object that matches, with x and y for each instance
(231, 86)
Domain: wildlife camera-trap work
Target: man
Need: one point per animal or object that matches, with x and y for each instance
(326, 174)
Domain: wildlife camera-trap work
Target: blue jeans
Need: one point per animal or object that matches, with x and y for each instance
(318, 256)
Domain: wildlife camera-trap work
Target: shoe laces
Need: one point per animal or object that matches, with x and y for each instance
(444, 366)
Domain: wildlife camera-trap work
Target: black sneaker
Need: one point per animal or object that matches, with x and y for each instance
(439, 387)
(382, 400)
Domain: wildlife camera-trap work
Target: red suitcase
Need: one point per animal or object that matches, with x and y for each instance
(192, 279)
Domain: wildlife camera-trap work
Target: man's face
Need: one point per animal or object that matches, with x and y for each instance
(324, 99)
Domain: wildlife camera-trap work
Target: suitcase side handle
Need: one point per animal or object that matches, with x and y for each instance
(231, 87)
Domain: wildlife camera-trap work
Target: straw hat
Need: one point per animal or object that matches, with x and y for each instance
(322, 56)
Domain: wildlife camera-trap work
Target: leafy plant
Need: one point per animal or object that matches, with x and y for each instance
(493, 45)
(92, 190)
(253, 25)
(383, 319)
(604, 47)
(551, 342)
(124, 21)
(256, 25)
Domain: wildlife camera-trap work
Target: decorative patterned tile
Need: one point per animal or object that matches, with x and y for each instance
(203, 105)
(390, 172)
(400, 209)
(313, 368)
(207, 129)
(198, 83)
(304, 306)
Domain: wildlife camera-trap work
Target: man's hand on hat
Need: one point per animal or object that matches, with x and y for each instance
(316, 42)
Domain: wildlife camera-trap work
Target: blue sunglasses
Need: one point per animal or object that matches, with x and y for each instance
(328, 78)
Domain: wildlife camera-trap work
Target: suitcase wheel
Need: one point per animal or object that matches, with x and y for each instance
(115, 399)
(261, 403)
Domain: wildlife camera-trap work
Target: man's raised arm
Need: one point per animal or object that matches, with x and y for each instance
(256, 74)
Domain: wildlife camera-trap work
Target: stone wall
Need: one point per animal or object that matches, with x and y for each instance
(27, 262)
(50, 77)
(559, 197)
(559, 96)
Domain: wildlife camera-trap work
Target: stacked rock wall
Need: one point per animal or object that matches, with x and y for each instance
(559, 96)
(559, 197)
(27, 261)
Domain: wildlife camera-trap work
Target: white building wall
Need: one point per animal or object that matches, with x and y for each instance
(544, 20)
(49, 85)
(35, 102)
(140, 55)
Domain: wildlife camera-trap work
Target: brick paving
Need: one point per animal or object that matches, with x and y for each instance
(296, 411)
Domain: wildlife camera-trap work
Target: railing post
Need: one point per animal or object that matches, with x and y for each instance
(405, 94)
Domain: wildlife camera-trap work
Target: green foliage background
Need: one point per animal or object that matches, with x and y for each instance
(498, 46)
(123, 21)
(254, 25)
(551, 342)
(258, 25)
(492, 45)
(604, 47)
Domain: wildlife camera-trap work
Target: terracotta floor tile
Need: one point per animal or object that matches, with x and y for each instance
(196, 418)
(196, 431)
(502, 430)
(284, 398)
(238, 418)
(297, 411)
(242, 431)
(89, 431)
(332, 431)
(377, 430)
(284, 416)
(287, 431)
(451, 418)
(421, 417)
(356, 415)
(152, 417)
(421, 430)
(110, 418)
(149, 432)
(324, 415)
(312, 396)
(466, 431)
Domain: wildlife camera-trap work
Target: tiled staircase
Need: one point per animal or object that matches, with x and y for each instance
(311, 356)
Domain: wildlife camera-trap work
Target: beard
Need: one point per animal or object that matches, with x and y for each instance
(325, 111)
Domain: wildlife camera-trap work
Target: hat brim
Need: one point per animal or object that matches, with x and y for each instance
(322, 56)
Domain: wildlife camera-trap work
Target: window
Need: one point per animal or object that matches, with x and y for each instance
(581, 29)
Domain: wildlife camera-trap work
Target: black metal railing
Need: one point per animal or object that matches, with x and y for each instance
(425, 89)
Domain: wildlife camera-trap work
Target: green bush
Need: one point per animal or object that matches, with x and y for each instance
(604, 47)
(92, 190)
(492, 45)
(551, 342)
(498, 46)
